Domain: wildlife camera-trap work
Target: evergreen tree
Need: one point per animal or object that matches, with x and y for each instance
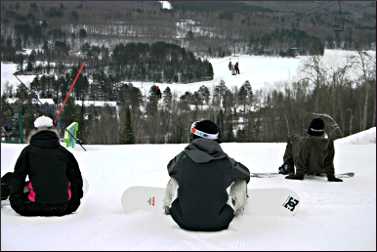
(229, 134)
(153, 117)
(153, 98)
(219, 94)
(167, 98)
(245, 95)
(204, 94)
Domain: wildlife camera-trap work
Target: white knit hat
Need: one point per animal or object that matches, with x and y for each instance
(43, 122)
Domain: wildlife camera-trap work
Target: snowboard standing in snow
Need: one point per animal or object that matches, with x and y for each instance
(263, 201)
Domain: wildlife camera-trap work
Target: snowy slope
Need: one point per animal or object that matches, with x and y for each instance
(166, 5)
(333, 216)
(263, 72)
(7, 77)
(364, 137)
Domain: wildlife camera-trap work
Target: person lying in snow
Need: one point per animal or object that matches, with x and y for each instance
(207, 188)
(312, 154)
(55, 184)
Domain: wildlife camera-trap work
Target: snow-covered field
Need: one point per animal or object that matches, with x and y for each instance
(265, 72)
(332, 216)
(7, 77)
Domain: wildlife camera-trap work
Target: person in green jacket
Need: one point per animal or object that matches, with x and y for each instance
(311, 154)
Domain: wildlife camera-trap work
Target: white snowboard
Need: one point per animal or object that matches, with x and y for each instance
(269, 201)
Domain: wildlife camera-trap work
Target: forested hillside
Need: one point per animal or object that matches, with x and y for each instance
(206, 27)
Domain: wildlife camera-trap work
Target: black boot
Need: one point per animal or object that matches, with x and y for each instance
(5, 186)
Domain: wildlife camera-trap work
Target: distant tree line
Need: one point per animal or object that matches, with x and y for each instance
(243, 114)
(279, 42)
(265, 28)
(159, 62)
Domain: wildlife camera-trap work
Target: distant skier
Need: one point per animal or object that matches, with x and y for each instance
(55, 184)
(312, 154)
(207, 188)
(230, 66)
(236, 68)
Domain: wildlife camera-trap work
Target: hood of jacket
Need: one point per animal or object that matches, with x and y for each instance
(44, 138)
(203, 151)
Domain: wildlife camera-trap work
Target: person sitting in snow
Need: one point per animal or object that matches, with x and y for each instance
(54, 186)
(206, 187)
(312, 154)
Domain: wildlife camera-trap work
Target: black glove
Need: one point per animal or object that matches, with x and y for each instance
(296, 176)
(333, 179)
(283, 169)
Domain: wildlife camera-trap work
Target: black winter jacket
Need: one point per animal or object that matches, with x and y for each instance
(54, 175)
(311, 155)
(204, 172)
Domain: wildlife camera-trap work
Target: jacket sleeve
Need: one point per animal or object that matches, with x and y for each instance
(171, 193)
(238, 195)
(172, 165)
(302, 159)
(74, 176)
(329, 160)
(288, 150)
(239, 171)
(17, 182)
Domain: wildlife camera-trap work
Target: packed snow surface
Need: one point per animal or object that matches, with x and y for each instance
(332, 216)
(364, 137)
